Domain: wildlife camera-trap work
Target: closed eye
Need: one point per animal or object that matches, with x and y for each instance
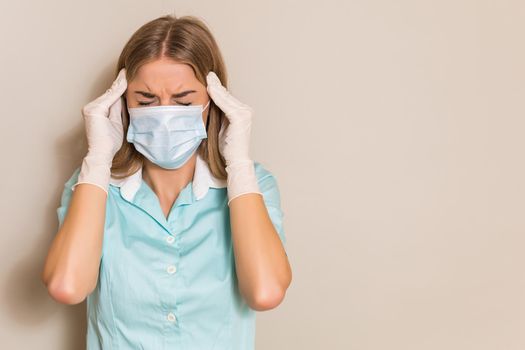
(148, 103)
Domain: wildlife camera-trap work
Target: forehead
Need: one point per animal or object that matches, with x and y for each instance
(165, 74)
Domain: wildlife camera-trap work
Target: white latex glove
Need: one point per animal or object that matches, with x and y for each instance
(105, 133)
(234, 139)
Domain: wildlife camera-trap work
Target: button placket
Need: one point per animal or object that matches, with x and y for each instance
(170, 268)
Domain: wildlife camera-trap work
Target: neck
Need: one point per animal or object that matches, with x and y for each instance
(167, 183)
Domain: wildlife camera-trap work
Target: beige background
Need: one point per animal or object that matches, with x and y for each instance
(395, 129)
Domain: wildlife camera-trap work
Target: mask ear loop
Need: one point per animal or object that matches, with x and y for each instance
(208, 120)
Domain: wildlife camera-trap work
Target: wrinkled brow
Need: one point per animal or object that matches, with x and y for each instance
(178, 95)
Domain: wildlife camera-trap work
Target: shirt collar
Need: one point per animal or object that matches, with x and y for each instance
(203, 179)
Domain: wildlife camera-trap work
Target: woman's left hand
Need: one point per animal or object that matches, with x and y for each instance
(234, 139)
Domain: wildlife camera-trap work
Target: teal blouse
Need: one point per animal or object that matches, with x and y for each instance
(171, 283)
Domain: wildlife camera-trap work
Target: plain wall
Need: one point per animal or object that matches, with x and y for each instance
(395, 130)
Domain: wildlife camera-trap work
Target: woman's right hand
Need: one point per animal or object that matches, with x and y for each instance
(103, 120)
(73, 261)
(105, 133)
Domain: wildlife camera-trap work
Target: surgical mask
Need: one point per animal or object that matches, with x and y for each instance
(167, 135)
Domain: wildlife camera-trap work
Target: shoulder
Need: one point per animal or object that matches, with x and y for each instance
(267, 182)
(67, 190)
(73, 178)
(65, 198)
(261, 171)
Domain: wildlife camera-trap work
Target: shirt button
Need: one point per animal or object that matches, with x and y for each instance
(171, 269)
(170, 239)
(171, 317)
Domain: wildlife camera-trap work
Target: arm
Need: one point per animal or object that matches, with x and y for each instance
(261, 262)
(262, 266)
(71, 267)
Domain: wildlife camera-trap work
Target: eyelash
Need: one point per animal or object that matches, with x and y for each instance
(148, 103)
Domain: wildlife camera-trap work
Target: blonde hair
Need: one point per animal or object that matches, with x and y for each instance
(186, 40)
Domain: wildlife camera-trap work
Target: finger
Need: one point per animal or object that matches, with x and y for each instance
(115, 91)
(100, 106)
(118, 87)
(115, 111)
(221, 96)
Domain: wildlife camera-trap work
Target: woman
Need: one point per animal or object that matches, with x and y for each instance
(169, 228)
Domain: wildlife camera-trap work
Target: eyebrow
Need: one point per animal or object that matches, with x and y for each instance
(178, 95)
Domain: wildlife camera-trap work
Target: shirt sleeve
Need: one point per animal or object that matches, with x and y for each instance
(272, 199)
(66, 197)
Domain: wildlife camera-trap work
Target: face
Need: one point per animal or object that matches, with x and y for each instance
(165, 82)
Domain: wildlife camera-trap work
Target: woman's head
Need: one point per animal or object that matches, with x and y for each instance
(164, 59)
